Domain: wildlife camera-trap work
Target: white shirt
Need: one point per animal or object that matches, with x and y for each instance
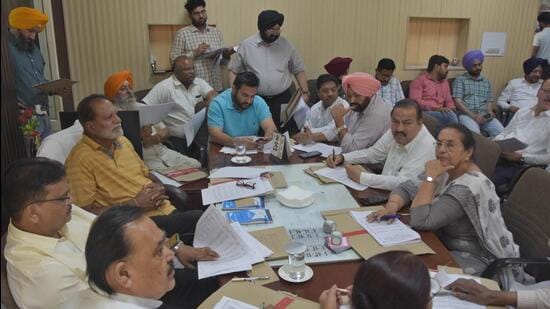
(171, 90)
(43, 272)
(533, 131)
(402, 163)
(391, 92)
(89, 299)
(319, 119)
(542, 40)
(519, 93)
(58, 145)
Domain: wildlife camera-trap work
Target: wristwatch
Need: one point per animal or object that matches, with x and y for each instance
(176, 247)
(429, 179)
(339, 129)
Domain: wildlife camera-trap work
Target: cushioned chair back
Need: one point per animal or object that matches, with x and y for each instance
(431, 123)
(405, 86)
(7, 299)
(486, 154)
(140, 94)
(313, 96)
(526, 214)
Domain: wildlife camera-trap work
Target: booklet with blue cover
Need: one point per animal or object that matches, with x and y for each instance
(250, 216)
(244, 203)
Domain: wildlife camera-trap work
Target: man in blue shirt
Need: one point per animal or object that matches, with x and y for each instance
(239, 112)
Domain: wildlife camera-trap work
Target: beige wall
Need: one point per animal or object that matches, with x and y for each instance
(105, 36)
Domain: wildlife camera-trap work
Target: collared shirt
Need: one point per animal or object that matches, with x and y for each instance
(431, 94)
(171, 90)
(97, 176)
(519, 93)
(28, 70)
(89, 299)
(58, 145)
(475, 92)
(274, 63)
(365, 128)
(533, 131)
(43, 272)
(542, 40)
(402, 162)
(392, 91)
(223, 114)
(533, 299)
(319, 119)
(188, 39)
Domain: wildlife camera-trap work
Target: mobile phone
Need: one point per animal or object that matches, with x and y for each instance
(310, 154)
(373, 200)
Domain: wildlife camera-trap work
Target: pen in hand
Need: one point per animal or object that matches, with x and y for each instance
(389, 218)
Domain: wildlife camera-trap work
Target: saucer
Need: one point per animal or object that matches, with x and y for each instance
(241, 159)
(283, 273)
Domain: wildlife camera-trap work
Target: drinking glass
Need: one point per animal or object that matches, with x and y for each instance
(240, 147)
(296, 260)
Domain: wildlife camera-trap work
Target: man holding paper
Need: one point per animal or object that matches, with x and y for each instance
(118, 88)
(238, 112)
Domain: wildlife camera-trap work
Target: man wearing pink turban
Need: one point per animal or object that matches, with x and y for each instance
(473, 98)
(368, 116)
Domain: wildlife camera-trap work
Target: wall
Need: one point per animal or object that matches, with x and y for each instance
(105, 36)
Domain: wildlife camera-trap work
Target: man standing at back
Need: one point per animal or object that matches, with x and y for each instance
(274, 60)
(197, 39)
(541, 41)
(431, 90)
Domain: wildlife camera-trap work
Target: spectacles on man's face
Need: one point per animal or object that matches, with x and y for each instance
(65, 199)
(273, 30)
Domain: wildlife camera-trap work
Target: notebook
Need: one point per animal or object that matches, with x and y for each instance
(250, 216)
(244, 203)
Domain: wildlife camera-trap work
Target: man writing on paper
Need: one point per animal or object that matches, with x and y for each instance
(28, 64)
(368, 116)
(404, 150)
(190, 94)
(319, 126)
(118, 88)
(240, 112)
(198, 38)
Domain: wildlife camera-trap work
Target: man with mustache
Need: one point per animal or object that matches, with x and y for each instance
(368, 116)
(472, 96)
(391, 90)
(404, 150)
(274, 60)
(198, 38)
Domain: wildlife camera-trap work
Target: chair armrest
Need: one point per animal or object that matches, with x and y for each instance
(177, 197)
(498, 264)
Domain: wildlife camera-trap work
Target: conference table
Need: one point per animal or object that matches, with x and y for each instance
(339, 273)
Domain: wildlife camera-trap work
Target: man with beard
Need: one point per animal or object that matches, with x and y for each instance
(28, 63)
(198, 38)
(238, 112)
(274, 60)
(368, 116)
(118, 88)
(404, 150)
(522, 92)
(432, 92)
(472, 95)
(390, 90)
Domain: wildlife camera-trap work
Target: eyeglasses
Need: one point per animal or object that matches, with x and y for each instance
(450, 147)
(273, 30)
(248, 185)
(65, 199)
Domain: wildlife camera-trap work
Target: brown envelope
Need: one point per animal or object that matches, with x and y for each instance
(255, 295)
(275, 239)
(322, 179)
(184, 173)
(277, 180)
(263, 269)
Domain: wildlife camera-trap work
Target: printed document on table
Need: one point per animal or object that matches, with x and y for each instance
(191, 128)
(324, 149)
(230, 191)
(446, 300)
(339, 174)
(214, 231)
(238, 172)
(152, 114)
(386, 234)
(258, 252)
(230, 303)
(267, 147)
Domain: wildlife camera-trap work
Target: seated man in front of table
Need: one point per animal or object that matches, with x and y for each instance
(319, 126)
(405, 149)
(431, 90)
(368, 116)
(239, 112)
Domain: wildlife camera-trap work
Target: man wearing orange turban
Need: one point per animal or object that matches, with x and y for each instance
(370, 116)
(119, 89)
(28, 65)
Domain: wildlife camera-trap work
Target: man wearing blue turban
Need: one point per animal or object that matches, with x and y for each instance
(473, 98)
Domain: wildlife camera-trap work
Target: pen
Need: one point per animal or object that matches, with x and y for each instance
(389, 217)
(333, 154)
(343, 291)
(250, 278)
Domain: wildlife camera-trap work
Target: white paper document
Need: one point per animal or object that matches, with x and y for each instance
(445, 300)
(386, 234)
(300, 113)
(324, 149)
(238, 172)
(191, 128)
(230, 191)
(258, 252)
(166, 180)
(339, 174)
(230, 303)
(267, 147)
(232, 151)
(152, 114)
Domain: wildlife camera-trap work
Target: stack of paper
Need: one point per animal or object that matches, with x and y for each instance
(152, 114)
(230, 191)
(446, 300)
(339, 174)
(386, 234)
(267, 147)
(237, 250)
(324, 149)
(230, 303)
(238, 172)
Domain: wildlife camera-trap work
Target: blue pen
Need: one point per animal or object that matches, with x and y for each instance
(389, 217)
